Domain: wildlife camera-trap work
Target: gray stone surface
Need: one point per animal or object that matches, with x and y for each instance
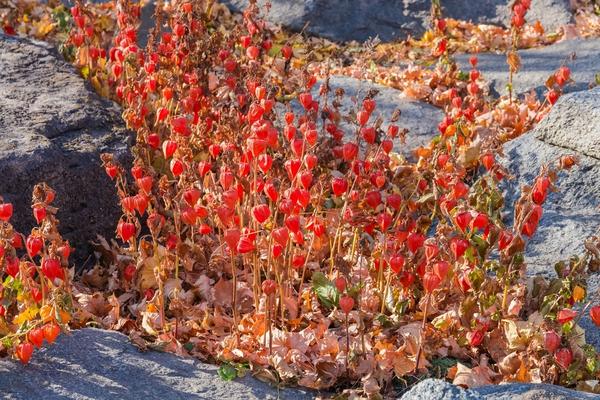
(575, 125)
(527, 391)
(538, 64)
(345, 20)
(434, 389)
(551, 13)
(92, 364)
(53, 128)
(421, 119)
(572, 214)
(431, 389)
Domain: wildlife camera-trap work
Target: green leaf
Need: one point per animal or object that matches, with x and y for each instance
(480, 244)
(470, 254)
(493, 266)
(326, 291)
(463, 76)
(13, 284)
(372, 66)
(440, 366)
(275, 50)
(384, 320)
(227, 372)
(354, 291)
(476, 276)
(568, 327)
(591, 365)
(7, 343)
(402, 306)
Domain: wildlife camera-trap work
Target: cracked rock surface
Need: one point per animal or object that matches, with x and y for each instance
(53, 128)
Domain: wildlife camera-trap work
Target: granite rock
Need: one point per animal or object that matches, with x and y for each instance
(346, 20)
(92, 364)
(421, 119)
(538, 64)
(572, 214)
(53, 129)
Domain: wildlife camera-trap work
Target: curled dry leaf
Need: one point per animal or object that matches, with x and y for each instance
(514, 61)
(472, 377)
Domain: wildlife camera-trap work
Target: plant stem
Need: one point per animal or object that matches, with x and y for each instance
(269, 306)
(422, 333)
(234, 292)
(347, 345)
(160, 286)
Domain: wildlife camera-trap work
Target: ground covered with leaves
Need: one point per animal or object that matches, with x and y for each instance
(263, 227)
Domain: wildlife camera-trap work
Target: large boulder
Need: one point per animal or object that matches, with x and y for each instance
(538, 64)
(551, 13)
(97, 364)
(571, 214)
(345, 20)
(53, 128)
(430, 389)
(421, 119)
(531, 391)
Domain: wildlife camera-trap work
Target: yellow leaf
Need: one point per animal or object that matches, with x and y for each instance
(85, 72)
(26, 315)
(428, 36)
(42, 28)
